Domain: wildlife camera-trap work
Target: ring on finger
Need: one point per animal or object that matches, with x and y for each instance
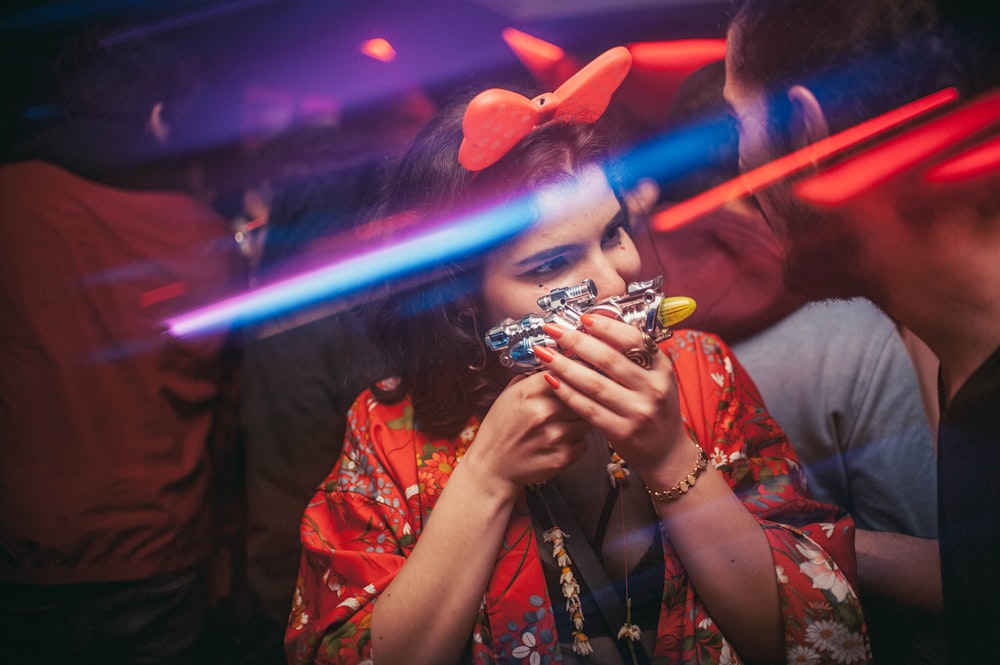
(643, 356)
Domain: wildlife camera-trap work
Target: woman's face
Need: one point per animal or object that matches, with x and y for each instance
(580, 235)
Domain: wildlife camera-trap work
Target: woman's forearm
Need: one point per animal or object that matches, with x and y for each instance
(729, 560)
(433, 600)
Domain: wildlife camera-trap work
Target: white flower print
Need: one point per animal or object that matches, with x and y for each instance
(828, 528)
(718, 458)
(299, 617)
(332, 581)
(352, 603)
(719, 378)
(726, 653)
(728, 364)
(468, 434)
(527, 649)
(802, 655)
(824, 577)
(850, 649)
(820, 570)
(780, 572)
(825, 634)
(811, 551)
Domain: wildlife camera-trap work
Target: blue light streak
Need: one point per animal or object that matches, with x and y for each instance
(471, 234)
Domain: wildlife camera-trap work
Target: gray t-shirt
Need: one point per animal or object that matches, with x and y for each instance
(866, 445)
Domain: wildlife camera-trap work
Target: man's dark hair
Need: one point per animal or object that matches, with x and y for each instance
(859, 57)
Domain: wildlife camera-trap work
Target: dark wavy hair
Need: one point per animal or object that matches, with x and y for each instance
(428, 325)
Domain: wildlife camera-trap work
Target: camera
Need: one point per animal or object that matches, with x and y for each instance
(642, 306)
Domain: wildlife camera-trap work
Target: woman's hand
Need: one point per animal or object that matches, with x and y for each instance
(637, 408)
(528, 435)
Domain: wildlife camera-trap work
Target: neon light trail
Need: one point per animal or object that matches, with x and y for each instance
(974, 162)
(846, 181)
(697, 206)
(470, 234)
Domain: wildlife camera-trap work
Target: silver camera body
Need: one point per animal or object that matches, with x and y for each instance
(515, 339)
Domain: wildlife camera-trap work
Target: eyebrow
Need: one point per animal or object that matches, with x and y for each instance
(546, 254)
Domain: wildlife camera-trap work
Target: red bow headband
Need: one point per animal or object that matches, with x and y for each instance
(497, 119)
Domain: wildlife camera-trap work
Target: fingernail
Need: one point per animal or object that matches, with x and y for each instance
(544, 354)
(587, 319)
(553, 381)
(552, 330)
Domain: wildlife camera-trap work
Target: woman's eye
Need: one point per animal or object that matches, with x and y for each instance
(549, 267)
(611, 235)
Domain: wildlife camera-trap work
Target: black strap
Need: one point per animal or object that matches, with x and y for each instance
(604, 520)
(587, 565)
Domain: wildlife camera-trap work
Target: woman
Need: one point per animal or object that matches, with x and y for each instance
(575, 518)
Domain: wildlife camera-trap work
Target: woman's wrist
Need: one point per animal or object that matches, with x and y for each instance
(681, 487)
(488, 485)
(683, 460)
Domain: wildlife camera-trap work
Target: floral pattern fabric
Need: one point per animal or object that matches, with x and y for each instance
(367, 515)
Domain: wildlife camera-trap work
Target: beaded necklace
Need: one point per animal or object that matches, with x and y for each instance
(617, 472)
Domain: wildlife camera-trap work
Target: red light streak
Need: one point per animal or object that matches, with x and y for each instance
(971, 163)
(255, 223)
(876, 165)
(681, 54)
(167, 292)
(547, 62)
(524, 45)
(762, 176)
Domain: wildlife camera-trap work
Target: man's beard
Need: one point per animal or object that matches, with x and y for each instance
(823, 258)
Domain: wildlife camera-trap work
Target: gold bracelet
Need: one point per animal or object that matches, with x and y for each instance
(675, 492)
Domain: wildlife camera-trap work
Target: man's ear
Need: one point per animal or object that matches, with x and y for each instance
(158, 125)
(808, 122)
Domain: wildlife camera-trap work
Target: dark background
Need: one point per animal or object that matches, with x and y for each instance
(271, 63)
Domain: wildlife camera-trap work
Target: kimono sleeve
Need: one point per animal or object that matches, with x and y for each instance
(812, 543)
(356, 534)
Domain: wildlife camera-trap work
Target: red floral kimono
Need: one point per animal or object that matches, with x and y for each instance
(367, 515)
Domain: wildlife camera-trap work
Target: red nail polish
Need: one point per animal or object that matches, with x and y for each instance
(552, 330)
(587, 319)
(553, 381)
(544, 354)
